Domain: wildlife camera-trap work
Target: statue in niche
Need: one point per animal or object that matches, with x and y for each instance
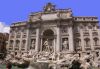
(33, 44)
(51, 45)
(65, 44)
(46, 45)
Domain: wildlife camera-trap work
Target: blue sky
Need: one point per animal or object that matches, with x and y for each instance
(18, 10)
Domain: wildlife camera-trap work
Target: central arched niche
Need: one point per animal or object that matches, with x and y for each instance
(48, 32)
(48, 40)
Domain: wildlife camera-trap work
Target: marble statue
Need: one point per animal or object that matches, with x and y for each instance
(65, 45)
(33, 44)
(46, 45)
(69, 12)
(49, 7)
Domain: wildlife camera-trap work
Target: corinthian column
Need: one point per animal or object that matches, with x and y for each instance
(41, 44)
(58, 40)
(37, 40)
(27, 40)
(71, 46)
(54, 48)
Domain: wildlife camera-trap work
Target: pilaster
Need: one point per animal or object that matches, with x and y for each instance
(91, 40)
(14, 41)
(82, 40)
(20, 46)
(99, 36)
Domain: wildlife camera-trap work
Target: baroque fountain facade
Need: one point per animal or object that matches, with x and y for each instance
(56, 37)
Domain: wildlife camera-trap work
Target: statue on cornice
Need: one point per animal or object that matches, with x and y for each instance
(69, 12)
(49, 7)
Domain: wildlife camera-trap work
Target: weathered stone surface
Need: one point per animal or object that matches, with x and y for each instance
(39, 65)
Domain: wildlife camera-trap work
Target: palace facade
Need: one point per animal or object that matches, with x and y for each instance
(55, 31)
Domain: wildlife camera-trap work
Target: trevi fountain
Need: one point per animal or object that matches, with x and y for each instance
(55, 39)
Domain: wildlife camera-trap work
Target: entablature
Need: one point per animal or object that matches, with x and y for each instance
(18, 24)
(86, 19)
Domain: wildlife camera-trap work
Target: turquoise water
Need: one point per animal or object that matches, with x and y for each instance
(13, 67)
